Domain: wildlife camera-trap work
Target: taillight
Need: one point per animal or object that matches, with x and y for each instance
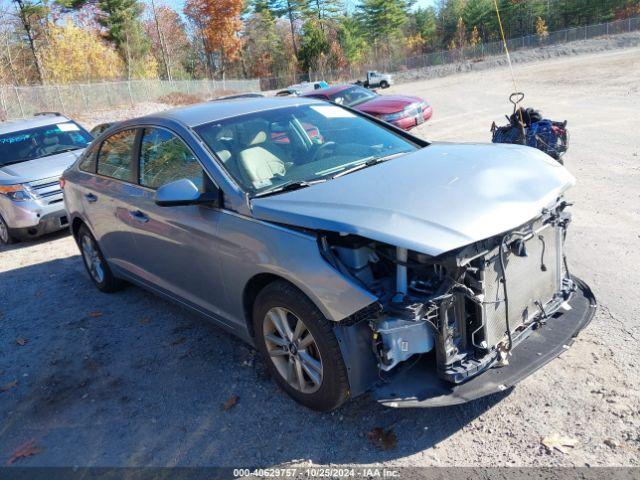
(62, 183)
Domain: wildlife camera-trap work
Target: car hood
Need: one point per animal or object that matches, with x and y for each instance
(434, 200)
(384, 104)
(38, 168)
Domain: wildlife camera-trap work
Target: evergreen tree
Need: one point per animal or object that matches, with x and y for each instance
(292, 10)
(383, 19)
(323, 9)
(314, 45)
(121, 20)
(352, 40)
(426, 26)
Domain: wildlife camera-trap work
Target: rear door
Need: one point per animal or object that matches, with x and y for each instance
(104, 197)
(176, 247)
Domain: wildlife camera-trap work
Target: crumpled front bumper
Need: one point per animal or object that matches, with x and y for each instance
(419, 385)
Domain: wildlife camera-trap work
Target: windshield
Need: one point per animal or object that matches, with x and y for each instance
(352, 96)
(306, 143)
(25, 145)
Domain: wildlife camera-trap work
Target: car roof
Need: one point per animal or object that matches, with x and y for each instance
(194, 115)
(31, 122)
(329, 90)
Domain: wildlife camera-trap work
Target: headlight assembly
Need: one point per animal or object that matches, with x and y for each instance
(17, 193)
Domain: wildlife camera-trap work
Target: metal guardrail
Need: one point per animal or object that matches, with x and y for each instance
(21, 101)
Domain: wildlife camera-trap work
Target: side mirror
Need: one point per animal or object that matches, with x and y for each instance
(181, 192)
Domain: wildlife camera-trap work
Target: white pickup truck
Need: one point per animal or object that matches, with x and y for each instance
(376, 79)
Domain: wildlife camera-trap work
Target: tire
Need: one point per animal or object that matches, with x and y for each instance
(95, 263)
(5, 233)
(282, 298)
(384, 84)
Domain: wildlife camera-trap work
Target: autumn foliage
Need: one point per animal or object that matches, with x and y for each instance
(220, 23)
(280, 41)
(78, 55)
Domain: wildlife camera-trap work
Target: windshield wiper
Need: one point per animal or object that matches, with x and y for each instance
(367, 163)
(289, 186)
(64, 150)
(2, 165)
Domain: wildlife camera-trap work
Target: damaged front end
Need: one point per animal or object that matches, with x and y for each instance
(458, 314)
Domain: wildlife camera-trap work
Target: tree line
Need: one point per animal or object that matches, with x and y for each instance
(64, 41)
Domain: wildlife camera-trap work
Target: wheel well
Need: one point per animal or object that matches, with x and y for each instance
(75, 226)
(251, 291)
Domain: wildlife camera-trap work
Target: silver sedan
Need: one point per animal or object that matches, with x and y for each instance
(354, 256)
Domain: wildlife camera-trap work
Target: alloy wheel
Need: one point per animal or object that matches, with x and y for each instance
(92, 259)
(293, 350)
(4, 232)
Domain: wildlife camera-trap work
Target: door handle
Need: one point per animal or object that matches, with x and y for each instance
(91, 198)
(138, 216)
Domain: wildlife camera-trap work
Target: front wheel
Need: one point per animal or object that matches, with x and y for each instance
(5, 234)
(300, 348)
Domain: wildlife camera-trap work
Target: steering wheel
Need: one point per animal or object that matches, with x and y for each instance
(322, 148)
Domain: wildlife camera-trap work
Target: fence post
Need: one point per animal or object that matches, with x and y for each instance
(147, 89)
(130, 93)
(15, 88)
(3, 104)
(84, 96)
(60, 98)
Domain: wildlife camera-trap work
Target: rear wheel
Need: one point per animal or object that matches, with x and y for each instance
(95, 263)
(299, 347)
(384, 84)
(5, 234)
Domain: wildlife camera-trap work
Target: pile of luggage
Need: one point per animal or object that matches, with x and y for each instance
(527, 127)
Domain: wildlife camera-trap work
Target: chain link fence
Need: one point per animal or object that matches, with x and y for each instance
(445, 57)
(17, 102)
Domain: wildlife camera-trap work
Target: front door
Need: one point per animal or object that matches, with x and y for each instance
(176, 246)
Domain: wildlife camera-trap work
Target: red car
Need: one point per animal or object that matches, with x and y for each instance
(402, 111)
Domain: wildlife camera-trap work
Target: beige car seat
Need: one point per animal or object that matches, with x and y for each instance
(259, 159)
(225, 155)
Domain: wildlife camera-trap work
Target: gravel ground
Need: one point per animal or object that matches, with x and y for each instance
(129, 379)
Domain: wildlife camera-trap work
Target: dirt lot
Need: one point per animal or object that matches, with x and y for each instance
(129, 379)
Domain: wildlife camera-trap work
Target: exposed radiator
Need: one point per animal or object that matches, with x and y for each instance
(532, 280)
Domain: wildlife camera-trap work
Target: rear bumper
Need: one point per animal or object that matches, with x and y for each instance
(419, 386)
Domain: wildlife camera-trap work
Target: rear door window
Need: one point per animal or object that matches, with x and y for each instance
(116, 154)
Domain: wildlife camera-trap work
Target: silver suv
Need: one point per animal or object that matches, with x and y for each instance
(353, 255)
(33, 154)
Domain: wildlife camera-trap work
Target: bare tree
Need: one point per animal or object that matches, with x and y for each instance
(161, 41)
(25, 12)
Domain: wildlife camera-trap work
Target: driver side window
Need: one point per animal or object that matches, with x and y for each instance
(165, 158)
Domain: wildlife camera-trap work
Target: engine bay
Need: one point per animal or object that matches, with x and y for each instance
(468, 307)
